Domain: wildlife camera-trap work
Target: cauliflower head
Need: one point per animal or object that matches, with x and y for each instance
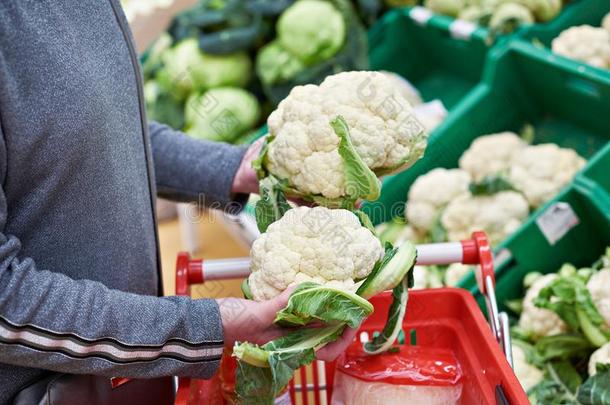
(431, 192)
(606, 22)
(455, 273)
(540, 322)
(601, 355)
(527, 374)
(599, 287)
(584, 43)
(329, 247)
(540, 171)
(489, 155)
(303, 148)
(498, 215)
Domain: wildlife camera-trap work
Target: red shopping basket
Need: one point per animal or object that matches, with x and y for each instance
(446, 318)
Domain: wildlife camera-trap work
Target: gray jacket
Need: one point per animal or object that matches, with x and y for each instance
(79, 165)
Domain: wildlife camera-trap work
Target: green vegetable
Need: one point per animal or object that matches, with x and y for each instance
(311, 302)
(365, 221)
(395, 266)
(186, 69)
(437, 232)
(490, 185)
(393, 326)
(559, 387)
(563, 386)
(263, 372)
(272, 205)
(596, 390)
(304, 52)
(162, 107)
(267, 8)
(153, 59)
(563, 347)
(219, 26)
(245, 289)
(570, 299)
(275, 64)
(301, 32)
(221, 114)
(391, 230)
(361, 181)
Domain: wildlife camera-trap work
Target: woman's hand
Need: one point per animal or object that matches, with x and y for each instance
(251, 321)
(245, 180)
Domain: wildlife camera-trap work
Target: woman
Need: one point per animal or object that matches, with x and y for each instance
(79, 169)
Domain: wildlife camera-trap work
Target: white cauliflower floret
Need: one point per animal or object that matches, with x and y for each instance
(606, 22)
(431, 192)
(585, 43)
(498, 215)
(406, 89)
(490, 155)
(540, 322)
(601, 355)
(455, 273)
(540, 171)
(328, 247)
(382, 126)
(527, 374)
(599, 287)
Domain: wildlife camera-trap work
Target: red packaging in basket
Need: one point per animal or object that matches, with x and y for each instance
(406, 374)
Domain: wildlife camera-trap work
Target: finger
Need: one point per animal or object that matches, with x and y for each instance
(333, 350)
(271, 307)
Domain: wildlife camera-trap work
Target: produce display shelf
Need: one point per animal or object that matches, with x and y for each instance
(572, 13)
(521, 85)
(439, 65)
(580, 12)
(529, 250)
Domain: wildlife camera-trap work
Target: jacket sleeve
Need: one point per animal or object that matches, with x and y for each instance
(50, 321)
(191, 170)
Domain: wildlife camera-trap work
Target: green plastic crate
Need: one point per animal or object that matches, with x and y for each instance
(581, 12)
(424, 53)
(521, 85)
(572, 13)
(596, 176)
(528, 250)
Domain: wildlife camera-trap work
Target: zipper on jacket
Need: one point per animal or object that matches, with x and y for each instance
(144, 122)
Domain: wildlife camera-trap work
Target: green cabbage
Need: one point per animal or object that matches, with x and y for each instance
(275, 64)
(186, 69)
(308, 48)
(303, 33)
(221, 114)
(162, 107)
